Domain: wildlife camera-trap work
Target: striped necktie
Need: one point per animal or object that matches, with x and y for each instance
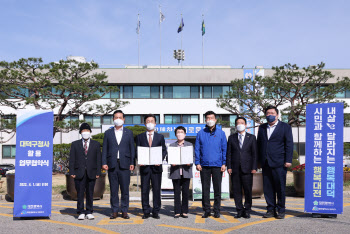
(85, 147)
(240, 141)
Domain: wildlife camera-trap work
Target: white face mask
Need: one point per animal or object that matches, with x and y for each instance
(181, 136)
(240, 127)
(150, 126)
(85, 135)
(210, 123)
(118, 122)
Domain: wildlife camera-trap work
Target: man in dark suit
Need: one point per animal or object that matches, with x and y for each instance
(118, 157)
(275, 147)
(85, 168)
(151, 173)
(241, 163)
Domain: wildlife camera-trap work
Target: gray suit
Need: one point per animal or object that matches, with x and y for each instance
(186, 170)
(181, 183)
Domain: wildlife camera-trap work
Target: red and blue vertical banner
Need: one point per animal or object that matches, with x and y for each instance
(324, 158)
(248, 74)
(34, 156)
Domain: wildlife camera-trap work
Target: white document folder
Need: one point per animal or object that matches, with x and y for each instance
(149, 155)
(180, 155)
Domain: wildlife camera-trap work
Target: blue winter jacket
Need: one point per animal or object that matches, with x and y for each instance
(210, 148)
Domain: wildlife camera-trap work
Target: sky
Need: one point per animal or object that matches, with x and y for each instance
(238, 32)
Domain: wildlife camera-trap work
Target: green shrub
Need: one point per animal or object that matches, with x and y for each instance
(295, 161)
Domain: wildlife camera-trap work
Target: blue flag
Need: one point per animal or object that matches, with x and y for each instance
(181, 26)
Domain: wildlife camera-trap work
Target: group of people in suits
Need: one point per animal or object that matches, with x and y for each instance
(241, 155)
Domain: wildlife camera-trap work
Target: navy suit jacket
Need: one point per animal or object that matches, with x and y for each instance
(279, 148)
(158, 140)
(79, 162)
(246, 158)
(126, 149)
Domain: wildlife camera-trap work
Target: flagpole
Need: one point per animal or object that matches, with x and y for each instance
(160, 38)
(181, 41)
(138, 39)
(202, 42)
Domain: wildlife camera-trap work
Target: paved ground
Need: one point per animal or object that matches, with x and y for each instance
(64, 220)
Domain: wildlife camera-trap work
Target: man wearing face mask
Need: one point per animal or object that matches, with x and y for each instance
(241, 165)
(181, 176)
(85, 168)
(118, 157)
(151, 173)
(275, 147)
(210, 150)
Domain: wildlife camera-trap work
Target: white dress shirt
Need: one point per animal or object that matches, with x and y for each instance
(270, 129)
(118, 136)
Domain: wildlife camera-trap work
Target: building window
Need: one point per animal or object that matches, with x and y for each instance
(71, 121)
(179, 119)
(155, 92)
(93, 121)
(137, 119)
(194, 91)
(347, 93)
(8, 121)
(207, 92)
(181, 92)
(107, 119)
(302, 147)
(8, 151)
(346, 119)
(127, 92)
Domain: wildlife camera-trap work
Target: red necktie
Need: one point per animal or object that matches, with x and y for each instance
(150, 140)
(85, 148)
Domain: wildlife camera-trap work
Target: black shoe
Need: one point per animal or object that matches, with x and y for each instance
(184, 216)
(146, 216)
(206, 215)
(239, 215)
(155, 216)
(177, 216)
(280, 215)
(246, 215)
(269, 214)
(217, 215)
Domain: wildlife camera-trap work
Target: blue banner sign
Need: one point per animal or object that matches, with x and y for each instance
(324, 158)
(34, 155)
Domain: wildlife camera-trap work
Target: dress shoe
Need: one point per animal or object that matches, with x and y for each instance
(269, 214)
(206, 215)
(155, 216)
(81, 217)
(217, 215)
(280, 215)
(146, 216)
(184, 216)
(246, 215)
(125, 215)
(239, 215)
(177, 216)
(114, 215)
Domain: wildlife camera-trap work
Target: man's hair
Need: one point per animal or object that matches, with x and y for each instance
(118, 111)
(240, 117)
(180, 128)
(269, 108)
(209, 113)
(149, 115)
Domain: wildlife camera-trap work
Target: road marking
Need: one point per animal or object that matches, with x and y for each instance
(97, 229)
(186, 228)
(133, 220)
